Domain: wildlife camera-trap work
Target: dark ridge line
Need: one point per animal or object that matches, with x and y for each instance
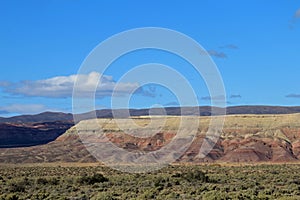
(122, 113)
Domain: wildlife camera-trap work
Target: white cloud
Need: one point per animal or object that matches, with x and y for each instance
(23, 108)
(62, 86)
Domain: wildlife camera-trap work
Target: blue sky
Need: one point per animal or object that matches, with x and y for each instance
(255, 45)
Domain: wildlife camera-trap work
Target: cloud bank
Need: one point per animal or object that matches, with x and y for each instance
(62, 86)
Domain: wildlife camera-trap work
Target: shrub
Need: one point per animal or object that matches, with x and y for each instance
(45, 181)
(103, 196)
(90, 180)
(12, 197)
(41, 181)
(19, 185)
(196, 175)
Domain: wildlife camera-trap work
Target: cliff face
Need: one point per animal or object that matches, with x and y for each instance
(244, 138)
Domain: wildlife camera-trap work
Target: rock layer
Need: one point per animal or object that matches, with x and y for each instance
(244, 138)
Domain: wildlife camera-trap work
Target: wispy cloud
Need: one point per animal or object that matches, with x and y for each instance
(229, 46)
(217, 54)
(220, 98)
(23, 108)
(214, 53)
(62, 86)
(4, 83)
(294, 19)
(293, 96)
(3, 112)
(147, 91)
(209, 98)
(297, 14)
(235, 96)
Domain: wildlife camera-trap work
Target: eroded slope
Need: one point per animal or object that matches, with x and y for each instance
(244, 138)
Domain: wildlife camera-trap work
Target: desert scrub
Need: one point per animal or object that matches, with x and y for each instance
(173, 182)
(90, 180)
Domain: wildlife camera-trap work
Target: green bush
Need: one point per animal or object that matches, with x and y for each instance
(45, 181)
(41, 181)
(12, 197)
(90, 180)
(103, 196)
(19, 185)
(196, 175)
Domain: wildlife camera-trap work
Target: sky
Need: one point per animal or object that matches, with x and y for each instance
(255, 46)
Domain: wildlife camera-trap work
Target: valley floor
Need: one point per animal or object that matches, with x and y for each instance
(93, 181)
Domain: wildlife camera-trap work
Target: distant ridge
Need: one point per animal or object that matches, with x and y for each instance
(38, 118)
(108, 113)
(263, 110)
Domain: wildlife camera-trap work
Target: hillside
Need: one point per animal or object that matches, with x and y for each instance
(30, 134)
(37, 118)
(245, 138)
(29, 130)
